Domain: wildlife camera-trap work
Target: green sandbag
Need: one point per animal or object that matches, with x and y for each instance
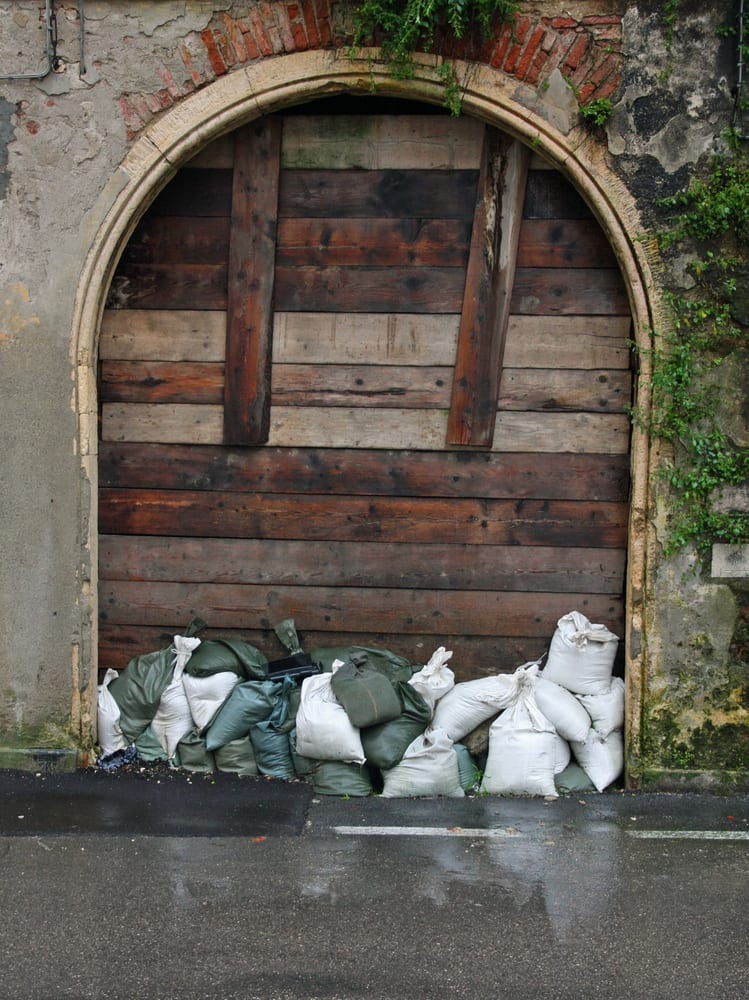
(293, 697)
(384, 745)
(217, 655)
(573, 780)
(193, 755)
(139, 688)
(468, 774)
(237, 757)
(336, 777)
(366, 694)
(249, 703)
(396, 668)
(302, 765)
(271, 742)
(150, 749)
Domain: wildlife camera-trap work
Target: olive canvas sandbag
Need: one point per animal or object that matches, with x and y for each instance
(366, 694)
(236, 757)
(249, 703)
(193, 755)
(395, 667)
(336, 777)
(270, 738)
(385, 744)
(468, 772)
(150, 750)
(214, 656)
(138, 690)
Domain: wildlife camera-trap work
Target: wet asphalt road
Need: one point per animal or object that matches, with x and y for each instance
(137, 886)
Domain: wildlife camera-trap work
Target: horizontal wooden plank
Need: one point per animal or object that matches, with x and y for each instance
(354, 518)
(564, 243)
(384, 142)
(549, 195)
(363, 427)
(178, 240)
(170, 286)
(196, 193)
(160, 382)
(361, 564)
(355, 609)
(564, 389)
(169, 335)
(368, 385)
(569, 291)
(473, 656)
(368, 242)
(386, 194)
(577, 342)
(376, 473)
(369, 289)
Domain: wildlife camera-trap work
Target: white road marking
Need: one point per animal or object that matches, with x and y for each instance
(423, 831)
(690, 834)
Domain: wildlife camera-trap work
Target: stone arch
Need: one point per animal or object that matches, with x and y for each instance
(272, 84)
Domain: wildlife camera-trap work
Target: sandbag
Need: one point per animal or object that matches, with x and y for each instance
(335, 777)
(206, 695)
(303, 766)
(323, 729)
(138, 690)
(216, 656)
(173, 717)
(562, 754)
(394, 667)
(429, 767)
(581, 655)
(384, 745)
(248, 703)
(601, 758)
(193, 755)
(434, 679)
(150, 750)
(573, 780)
(470, 703)
(606, 710)
(109, 732)
(366, 694)
(522, 745)
(270, 740)
(468, 772)
(562, 709)
(236, 757)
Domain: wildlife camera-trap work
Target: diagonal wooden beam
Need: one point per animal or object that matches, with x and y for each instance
(252, 248)
(486, 300)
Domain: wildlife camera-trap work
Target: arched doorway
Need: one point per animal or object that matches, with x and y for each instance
(390, 508)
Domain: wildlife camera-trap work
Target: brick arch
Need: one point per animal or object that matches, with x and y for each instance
(273, 83)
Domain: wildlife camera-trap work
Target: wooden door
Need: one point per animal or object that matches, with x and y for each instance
(369, 372)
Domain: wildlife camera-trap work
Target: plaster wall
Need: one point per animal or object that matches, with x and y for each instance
(84, 149)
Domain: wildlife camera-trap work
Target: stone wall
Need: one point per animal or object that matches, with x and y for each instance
(64, 138)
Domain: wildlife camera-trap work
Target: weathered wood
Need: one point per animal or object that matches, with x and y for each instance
(252, 248)
(582, 342)
(364, 472)
(368, 242)
(160, 382)
(370, 289)
(565, 389)
(387, 519)
(488, 284)
(401, 612)
(388, 194)
(174, 335)
(569, 291)
(368, 385)
(549, 195)
(361, 564)
(169, 286)
(196, 193)
(175, 240)
(564, 243)
(360, 427)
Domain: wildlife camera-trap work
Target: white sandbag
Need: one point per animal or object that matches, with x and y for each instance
(562, 709)
(470, 703)
(323, 729)
(606, 710)
(581, 655)
(206, 695)
(173, 718)
(562, 754)
(110, 737)
(522, 745)
(429, 767)
(435, 679)
(602, 759)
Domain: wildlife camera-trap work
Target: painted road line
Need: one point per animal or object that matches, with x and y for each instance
(689, 834)
(424, 831)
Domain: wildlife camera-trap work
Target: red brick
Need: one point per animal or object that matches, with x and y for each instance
(538, 64)
(608, 88)
(323, 22)
(563, 22)
(271, 28)
(170, 83)
(299, 35)
(237, 39)
(284, 27)
(310, 23)
(604, 70)
(585, 91)
(602, 19)
(512, 59)
(195, 75)
(530, 50)
(577, 51)
(253, 52)
(261, 37)
(130, 116)
(501, 49)
(217, 63)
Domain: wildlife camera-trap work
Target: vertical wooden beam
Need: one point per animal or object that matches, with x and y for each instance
(252, 248)
(486, 301)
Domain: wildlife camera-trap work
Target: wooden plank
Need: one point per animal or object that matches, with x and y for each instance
(385, 519)
(160, 382)
(196, 193)
(387, 194)
(384, 142)
(173, 240)
(489, 279)
(581, 433)
(362, 472)
(175, 423)
(370, 385)
(369, 289)
(342, 608)
(579, 342)
(361, 564)
(252, 248)
(549, 195)
(174, 335)
(366, 338)
(368, 242)
(217, 154)
(169, 286)
(564, 243)
(554, 389)
(569, 291)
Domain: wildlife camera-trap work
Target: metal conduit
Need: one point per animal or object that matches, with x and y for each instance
(53, 62)
(739, 110)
